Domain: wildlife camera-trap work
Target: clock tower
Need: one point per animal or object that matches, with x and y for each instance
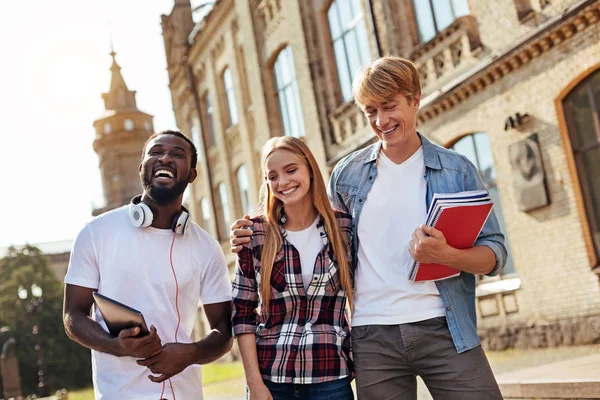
(120, 134)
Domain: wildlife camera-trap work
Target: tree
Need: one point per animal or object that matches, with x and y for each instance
(65, 364)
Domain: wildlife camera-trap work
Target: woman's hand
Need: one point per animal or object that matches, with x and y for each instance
(259, 392)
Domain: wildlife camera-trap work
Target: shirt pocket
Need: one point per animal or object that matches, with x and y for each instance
(348, 194)
(278, 281)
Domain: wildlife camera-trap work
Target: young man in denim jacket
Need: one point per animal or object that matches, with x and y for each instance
(401, 329)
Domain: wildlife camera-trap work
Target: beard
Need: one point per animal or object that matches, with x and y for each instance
(162, 195)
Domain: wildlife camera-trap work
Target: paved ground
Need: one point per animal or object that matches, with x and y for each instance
(578, 362)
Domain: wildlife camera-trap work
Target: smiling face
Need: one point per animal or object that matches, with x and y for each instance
(166, 169)
(288, 177)
(394, 121)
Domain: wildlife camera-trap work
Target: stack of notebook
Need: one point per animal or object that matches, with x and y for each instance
(460, 217)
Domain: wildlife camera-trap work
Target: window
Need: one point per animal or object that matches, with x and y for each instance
(106, 128)
(207, 110)
(244, 188)
(477, 149)
(582, 113)
(128, 124)
(205, 210)
(147, 125)
(230, 95)
(433, 16)
(195, 132)
(350, 42)
(224, 216)
(287, 93)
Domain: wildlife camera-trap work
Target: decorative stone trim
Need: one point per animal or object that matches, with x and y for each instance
(448, 54)
(232, 136)
(270, 15)
(499, 286)
(218, 48)
(200, 72)
(555, 31)
(214, 159)
(346, 121)
(579, 330)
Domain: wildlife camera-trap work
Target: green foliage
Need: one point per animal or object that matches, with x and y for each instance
(221, 371)
(65, 363)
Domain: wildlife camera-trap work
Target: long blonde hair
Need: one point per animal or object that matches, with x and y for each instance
(271, 208)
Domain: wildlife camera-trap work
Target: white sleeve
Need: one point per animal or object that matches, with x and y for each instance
(83, 264)
(216, 284)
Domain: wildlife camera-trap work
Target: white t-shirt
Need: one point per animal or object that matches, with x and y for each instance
(308, 242)
(131, 265)
(393, 209)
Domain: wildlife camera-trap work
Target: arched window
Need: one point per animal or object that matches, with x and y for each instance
(287, 93)
(477, 149)
(244, 188)
(128, 125)
(205, 210)
(582, 114)
(207, 113)
(106, 128)
(195, 133)
(224, 215)
(350, 41)
(230, 96)
(433, 16)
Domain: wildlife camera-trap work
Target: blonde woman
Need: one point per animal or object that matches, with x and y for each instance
(292, 284)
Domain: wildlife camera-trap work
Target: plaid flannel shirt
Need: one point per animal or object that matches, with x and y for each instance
(305, 337)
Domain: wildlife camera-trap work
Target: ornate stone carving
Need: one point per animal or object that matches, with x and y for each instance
(450, 53)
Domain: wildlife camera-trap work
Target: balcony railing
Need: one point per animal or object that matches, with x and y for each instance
(452, 52)
(350, 131)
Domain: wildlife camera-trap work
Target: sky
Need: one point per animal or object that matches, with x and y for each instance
(55, 65)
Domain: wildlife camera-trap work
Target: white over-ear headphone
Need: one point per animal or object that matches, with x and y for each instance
(141, 216)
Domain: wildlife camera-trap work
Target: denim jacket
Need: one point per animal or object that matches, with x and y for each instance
(445, 172)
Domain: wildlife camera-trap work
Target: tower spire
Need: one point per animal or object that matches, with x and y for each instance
(119, 97)
(116, 81)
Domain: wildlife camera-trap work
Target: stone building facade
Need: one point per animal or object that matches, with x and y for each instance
(514, 85)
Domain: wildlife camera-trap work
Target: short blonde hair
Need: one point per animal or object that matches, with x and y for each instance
(385, 78)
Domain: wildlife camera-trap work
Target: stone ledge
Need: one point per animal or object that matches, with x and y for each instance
(579, 330)
(576, 378)
(548, 389)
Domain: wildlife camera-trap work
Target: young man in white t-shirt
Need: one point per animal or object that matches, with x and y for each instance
(403, 329)
(149, 256)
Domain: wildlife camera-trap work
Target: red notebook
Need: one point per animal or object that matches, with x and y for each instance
(461, 225)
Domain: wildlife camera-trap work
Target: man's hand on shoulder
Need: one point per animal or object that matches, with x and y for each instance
(174, 358)
(240, 234)
(128, 344)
